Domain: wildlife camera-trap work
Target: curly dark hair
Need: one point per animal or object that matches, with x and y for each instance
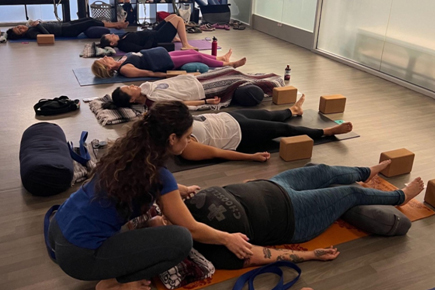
(129, 172)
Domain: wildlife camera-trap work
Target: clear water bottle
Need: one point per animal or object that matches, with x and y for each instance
(287, 73)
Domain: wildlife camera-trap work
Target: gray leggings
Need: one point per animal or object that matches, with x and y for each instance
(129, 256)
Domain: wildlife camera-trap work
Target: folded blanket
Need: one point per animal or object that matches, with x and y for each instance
(93, 50)
(193, 268)
(222, 82)
(114, 116)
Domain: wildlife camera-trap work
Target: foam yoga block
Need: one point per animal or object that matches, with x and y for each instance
(332, 104)
(173, 73)
(401, 162)
(284, 95)
(295, 148)
(429, 197)
(45, 38)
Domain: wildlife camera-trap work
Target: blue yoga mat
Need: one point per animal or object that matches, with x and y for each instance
(85, 77)
(60, 38)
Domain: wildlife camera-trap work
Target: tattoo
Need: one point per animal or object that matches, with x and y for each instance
(296, 259)
(290, 257)
(247, 263)
(267, 253)
(319, 253)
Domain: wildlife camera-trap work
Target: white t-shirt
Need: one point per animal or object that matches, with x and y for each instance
(218, 130)
(179, 88)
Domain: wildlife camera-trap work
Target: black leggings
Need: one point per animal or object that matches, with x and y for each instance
(74, 28)
(261, 126)
(129, 256)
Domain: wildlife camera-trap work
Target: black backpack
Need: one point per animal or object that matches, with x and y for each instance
(61, 105)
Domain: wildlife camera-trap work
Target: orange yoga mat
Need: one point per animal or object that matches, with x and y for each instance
(338, 233)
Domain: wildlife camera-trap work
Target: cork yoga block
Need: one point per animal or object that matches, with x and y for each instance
(429, 197)
(401, 162)
(332, 104)
(296, 148)
(173, 73)
(45, 38)
(284, 95)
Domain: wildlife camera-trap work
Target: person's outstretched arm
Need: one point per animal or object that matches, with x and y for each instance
(177, 213)
(131, 71)
(198, 151)
(36, 29)
(263, 255)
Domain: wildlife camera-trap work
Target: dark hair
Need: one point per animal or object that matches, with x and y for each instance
(248, 96)
(120, 98)
(12, 35)
(104, 41)
(129, 172)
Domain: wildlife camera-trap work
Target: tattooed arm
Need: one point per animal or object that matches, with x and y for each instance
(264, 255)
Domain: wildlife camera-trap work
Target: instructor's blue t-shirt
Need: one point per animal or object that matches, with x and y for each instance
(87, 222)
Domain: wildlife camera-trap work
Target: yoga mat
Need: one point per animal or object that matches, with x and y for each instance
(338, 233)
(61, 38)
(310, 118)
(85, 77)
(201, 44)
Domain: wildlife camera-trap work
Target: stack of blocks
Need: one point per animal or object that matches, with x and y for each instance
(429, 197)
(401, 162)
(295, 148)
(45, 38)
(332, 104)
(284, 95)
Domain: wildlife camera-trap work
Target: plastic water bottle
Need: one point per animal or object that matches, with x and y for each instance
(287, 73)
(214, 46)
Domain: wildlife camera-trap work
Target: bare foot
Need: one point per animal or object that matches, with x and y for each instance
(226, 57)
(412, 189)
(112, 284)
(296, 109)
(176, 39)
(339, 129)
(121, 25)
(238, 63)
(375, 169)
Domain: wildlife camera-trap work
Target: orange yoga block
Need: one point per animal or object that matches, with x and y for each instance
(401, 162)
(429, 197)
(45, 38)
(284, 95)
(332, 104)
(296, 148)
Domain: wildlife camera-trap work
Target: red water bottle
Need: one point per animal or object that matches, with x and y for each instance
(214, 46)
(287, 73)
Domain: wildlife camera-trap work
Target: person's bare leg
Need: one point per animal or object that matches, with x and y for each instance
(263, 255)
(412, 189)
(296, 109)
(339, 129)
(112, 284)
(235, 64)
(179, 25)
(226, 57)
(378, 168)
(117, 25)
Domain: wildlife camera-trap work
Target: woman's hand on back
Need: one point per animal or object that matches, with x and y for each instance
(238, 244)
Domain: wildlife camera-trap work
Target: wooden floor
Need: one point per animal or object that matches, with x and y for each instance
(387, 116)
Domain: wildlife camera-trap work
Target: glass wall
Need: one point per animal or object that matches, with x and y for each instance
(296, 13)
(391, 36)
(16, 13)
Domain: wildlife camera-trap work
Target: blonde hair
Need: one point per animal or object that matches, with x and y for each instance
(101, 71)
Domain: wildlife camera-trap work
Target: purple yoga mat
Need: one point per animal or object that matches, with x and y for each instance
(201, 44)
